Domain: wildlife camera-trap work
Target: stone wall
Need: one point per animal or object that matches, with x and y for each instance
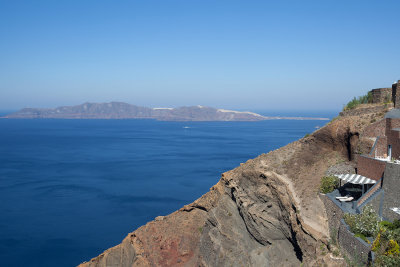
(380, 147)
(354, 247)
(366, 110)
(381, 95)
(334, 214)
(375, 129)
(370, 167)
(391, 187)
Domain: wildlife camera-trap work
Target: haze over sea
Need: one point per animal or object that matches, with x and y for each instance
(69, 189)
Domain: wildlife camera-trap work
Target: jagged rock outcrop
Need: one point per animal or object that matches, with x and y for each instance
(266, 212)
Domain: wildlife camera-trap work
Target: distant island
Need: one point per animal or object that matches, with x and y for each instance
(120, 110)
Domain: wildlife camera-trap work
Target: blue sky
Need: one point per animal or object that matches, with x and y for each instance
(282, 55)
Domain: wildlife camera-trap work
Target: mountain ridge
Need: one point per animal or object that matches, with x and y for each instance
(122, 110)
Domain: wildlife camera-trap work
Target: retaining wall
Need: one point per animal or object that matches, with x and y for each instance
(354, 247)
(366, 110)
(375, 129)
(334, 214)
(381, 95)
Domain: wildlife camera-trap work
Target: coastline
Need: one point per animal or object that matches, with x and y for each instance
(103, 118)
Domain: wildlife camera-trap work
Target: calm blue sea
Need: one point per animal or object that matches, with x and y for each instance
(69, 189)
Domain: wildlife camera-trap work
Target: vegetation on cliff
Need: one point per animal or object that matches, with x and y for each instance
(386, 244)
(328, 184)
(386, 235)
(365, 224)
(364, 99)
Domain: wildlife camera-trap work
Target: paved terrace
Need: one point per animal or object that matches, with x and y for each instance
(347, 207)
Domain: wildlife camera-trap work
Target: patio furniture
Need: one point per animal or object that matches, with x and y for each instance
(346, 199)
(342, 197)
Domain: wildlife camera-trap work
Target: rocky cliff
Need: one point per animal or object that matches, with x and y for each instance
(120, 110)
(266, 212)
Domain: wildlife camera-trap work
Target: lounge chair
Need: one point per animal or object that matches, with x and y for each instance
(341, 197)
(346, 199)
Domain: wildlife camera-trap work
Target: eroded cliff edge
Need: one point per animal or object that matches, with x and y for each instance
(265, 212)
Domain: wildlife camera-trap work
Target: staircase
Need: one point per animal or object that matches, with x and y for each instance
(370, 193)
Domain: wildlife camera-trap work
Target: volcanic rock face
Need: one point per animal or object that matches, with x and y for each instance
(265, 212)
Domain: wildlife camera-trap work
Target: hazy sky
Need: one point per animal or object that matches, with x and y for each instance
(296, 55)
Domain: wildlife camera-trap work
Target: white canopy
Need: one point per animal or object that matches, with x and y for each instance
(355, 179)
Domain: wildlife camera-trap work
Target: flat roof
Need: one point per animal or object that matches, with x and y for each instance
(393, 114)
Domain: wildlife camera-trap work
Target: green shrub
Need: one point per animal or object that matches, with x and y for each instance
(393, 234)
(376, 245)
(336, 253)
(362, 237)
(390, 231)
(386, 224)
(393, 248)
(366, 223)
(396, 224)
(386, 244)
(359, 100)
(351, 220)
(328, 184)
(352, 104)
(387, 261)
